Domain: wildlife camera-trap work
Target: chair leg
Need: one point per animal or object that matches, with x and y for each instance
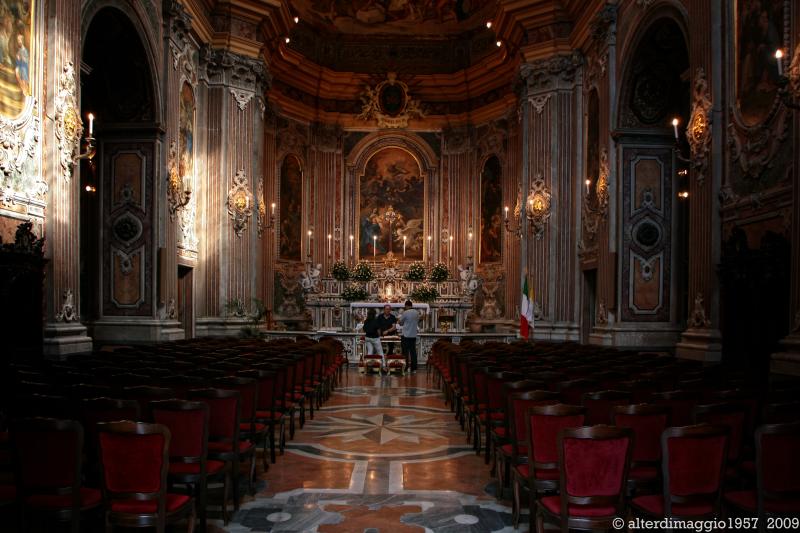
(190, 526)
(271, 442)
(235, 473)
(264, 463)
(202, 503)
(515, 503)
(539, 522)
(225, 517)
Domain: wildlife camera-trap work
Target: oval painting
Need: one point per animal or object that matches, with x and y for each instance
(392, 99)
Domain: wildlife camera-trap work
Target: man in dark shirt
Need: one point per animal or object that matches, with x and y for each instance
(387, 324)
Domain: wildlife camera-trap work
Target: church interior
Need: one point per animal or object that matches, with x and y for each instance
(399, 265)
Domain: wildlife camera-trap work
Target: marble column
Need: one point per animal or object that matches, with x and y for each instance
(63, 333)
(232, 210)
(550, 135)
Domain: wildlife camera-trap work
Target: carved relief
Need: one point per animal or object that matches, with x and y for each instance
(602, 314)
(538, 102)
(492, 140)
(19, 139)
(457, 140)
(390, 104)
(550, 73)
(240, 202)
(698, 131)
(754, 149)
(537, 207)
(242, 98)
(68, 126)
(793, 73)
(698, 317)
(221, 67)
(177, 195)
(68, 311)
(262, 208)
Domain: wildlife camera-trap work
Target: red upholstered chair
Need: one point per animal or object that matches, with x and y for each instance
(540, 473)
(144, 394)
(268, 410)
(600, 405)
(648, 422)
(593, 466)
(224, 430)
(781, 412)
(249, 428)
(134, 457)
(188, 451)
(572, 391)
(516, 451)
(641, 389)
(732, 416)
(680, 403)
(777, 475)
(47, 456)
(496, 405)
(693, 469)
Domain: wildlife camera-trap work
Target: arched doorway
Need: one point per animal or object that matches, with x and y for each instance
(118, 187)
(653, 255)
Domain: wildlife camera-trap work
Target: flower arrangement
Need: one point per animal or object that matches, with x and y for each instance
(339, 271)
(363, 272)
(425, 293)
(416, 272)
(439, 273)
(354, 292)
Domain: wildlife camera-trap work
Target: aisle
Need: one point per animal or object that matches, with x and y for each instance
(384, 454)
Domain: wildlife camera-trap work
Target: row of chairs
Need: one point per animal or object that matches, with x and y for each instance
(209, 426)
(493, 402)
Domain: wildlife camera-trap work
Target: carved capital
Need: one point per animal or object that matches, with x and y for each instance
(557, 72)
(604, 24)
(222, 67)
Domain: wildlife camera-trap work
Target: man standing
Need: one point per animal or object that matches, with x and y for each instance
(387, 324)
(409, 321)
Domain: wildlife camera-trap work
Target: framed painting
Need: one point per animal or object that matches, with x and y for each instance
(16, 42)
(759, 30)
(186, 132)
(391, 206)
(291, 209)
(491, 212)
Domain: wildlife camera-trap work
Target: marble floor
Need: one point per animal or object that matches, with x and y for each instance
(384, 454)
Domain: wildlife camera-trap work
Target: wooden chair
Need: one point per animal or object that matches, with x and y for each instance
(600, 405)
(591, 497)
(648, 422)
(134, 458)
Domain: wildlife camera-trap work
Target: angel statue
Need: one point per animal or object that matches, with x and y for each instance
(469, 280)
(309, 280)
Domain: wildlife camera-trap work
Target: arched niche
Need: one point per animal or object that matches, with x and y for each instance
(290, 212)
(376, 150)
(491, 223)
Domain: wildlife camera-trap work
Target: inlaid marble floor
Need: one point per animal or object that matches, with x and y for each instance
(384, 454)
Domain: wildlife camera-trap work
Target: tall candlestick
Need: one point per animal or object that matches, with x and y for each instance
(451, 246)
(351, 246)
(675, 127)
(506, 211)
(374, 247)
(91, 124)
(588, 185)
(779, 58)
(430, 246)
(329, 243)
(272, 209)
(309, 243)
(404, 245)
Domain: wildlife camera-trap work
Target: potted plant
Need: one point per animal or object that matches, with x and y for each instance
(340, 271)
(363, 272)
(425, 293)
(439, 273)
(354, 292)
(416, 272)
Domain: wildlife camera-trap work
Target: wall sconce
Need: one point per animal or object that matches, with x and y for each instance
(271, 223)
(178, 193)
(678, 149)
(683, 195)
(537, 206)
(91, 148)
(788, 86)
(516, 229)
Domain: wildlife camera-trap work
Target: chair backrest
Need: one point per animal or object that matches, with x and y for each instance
(518, 404)
(648, 422)
(582, 480)
(777, 462)
(641, 389)
(224, 413)
(47, 456)
(495, 389)
(599, 405)
(781, 412)
(98, 410)
(188, 426)
(144, 394)
(543, 425)
(680, 403)
(693, 465)
(731, 415)
(134, 461)
(248, 394)
(572, 391)
(266, 384)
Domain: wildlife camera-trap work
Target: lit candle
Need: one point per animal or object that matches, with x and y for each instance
(451, 246)
(404, 245)
(329, 243)
(506, 211)
(272, 208)
(469, 236)
(588, 185)
(309, 242)
(351, 246)
(91, 124)
(779, 58)
(675, 127)
(374, 247)
(430, 246)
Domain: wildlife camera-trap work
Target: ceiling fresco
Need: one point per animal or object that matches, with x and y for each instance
(422, 18)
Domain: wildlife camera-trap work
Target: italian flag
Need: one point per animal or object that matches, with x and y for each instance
(526, 310)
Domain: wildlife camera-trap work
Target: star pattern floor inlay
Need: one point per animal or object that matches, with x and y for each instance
(383, 454)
